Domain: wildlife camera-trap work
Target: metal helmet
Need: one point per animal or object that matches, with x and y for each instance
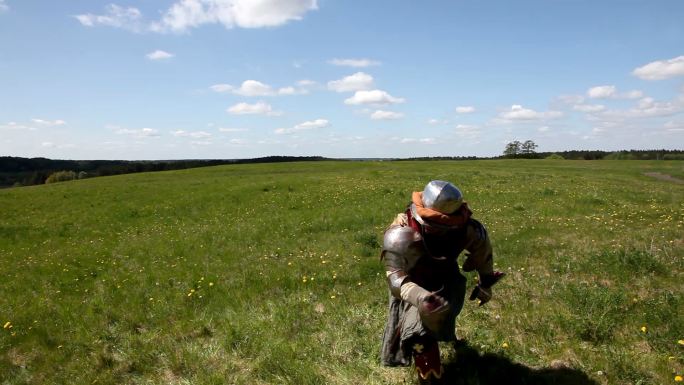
(442, 196)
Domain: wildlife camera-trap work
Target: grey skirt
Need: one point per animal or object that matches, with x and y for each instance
(404, 325)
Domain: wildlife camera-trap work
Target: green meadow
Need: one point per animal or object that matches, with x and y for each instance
(269, 274)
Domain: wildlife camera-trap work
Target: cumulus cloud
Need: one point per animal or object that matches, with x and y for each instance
(610, 92)
(259, 108)
(386, 115)
(356, 63)
(465, 109)
(139, 133)
(518, 112)
(467, 130)
(661, 69)
(589, 107)
(35, 124)
(306, 83)
(191, 134)
(255, 88)
(571, 99)
(601, 92)
(309, 125)
(48, 123)
(17, 126)
(417, 140)
(186, 14)
(128, 18)
(373, 97)
(159, 55)
(356, 82)
(645, 108)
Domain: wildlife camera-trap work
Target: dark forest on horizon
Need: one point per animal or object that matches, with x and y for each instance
(18, 171)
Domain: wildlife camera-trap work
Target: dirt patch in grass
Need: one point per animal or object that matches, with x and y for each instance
(665, 177)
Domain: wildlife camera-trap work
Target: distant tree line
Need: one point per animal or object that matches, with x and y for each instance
(16, 171)
(518, 149)
(527, 149)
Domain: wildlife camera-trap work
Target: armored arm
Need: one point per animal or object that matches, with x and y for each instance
(480, 258)
(400, 252)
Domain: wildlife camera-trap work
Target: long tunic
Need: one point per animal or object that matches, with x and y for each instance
(436, 270)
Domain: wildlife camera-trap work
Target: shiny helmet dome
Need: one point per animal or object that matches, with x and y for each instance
(442, 196)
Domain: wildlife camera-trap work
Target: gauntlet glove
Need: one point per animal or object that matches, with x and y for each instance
(483, 290)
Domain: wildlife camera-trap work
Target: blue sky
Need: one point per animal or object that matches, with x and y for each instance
(172, 79)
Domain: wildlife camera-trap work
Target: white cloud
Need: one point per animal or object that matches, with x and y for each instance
(356, 82)
(434, 121)
(159, 55)
(192, 134)
(661, 69)
(238, 142)
(201, 142)
(386, 115)
(139, 133)
(3, 7)
(634, 94)
(356, 63)
(465, 109)
(467, 130)
(259, 108)
(518, 112)
(307, 83)
(645, 108)
(230, 129)
(256, 88)
(417, 140)
(309, 125)
(16, 126)
(48, 145)
(571, 99)
(610, 92)
(186, 14)
(222, 88)
(373, 97)
(35, 124)
(601, 92)
(48, 123)
(589, 107)
(543, 129)
(115, 16)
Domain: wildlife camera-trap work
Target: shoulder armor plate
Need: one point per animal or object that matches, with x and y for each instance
(402, 247)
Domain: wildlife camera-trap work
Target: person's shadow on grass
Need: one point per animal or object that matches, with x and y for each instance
(470, 367)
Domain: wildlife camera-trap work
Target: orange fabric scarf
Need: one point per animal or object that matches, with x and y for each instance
(457, 219)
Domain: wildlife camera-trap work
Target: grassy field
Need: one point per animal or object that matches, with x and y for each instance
(269, 274)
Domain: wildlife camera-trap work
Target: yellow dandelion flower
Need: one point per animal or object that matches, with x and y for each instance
(643, 329)
(504, 345)
(681, 342)
(332, 297)
(190, 294)
(678, 379)
(7, 325)
(211, 284)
